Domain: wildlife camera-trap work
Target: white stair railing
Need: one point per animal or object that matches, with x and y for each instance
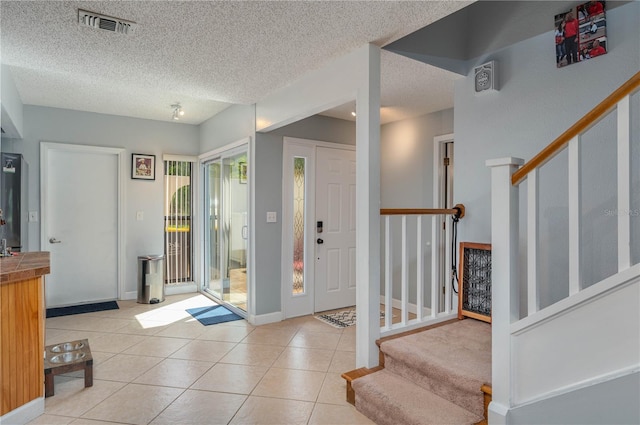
(508, 322)
(406, 248)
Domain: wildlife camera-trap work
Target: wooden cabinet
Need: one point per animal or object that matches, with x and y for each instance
(22, 316)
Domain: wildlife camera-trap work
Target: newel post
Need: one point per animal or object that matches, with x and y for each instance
(505, 296)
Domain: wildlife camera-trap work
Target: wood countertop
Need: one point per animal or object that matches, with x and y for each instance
(25, 265)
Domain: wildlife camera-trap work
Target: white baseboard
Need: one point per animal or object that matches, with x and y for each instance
(497, 413)
(263, 319)
(395, 303)
(25, 413)
(131, 295)
(186, 288)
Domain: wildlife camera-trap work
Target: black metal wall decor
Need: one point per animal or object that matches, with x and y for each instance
(474, 296)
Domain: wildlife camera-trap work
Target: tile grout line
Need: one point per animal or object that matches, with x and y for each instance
(297, 329)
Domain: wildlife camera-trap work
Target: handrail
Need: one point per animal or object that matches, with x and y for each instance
(579, 127)
(457, 210)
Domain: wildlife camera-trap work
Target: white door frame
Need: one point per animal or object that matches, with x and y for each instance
(188, 287)
(200, 248)
(45, 148)
(438, 178)
(292, 147)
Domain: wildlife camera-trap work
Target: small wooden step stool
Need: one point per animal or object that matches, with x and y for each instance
(58, 362)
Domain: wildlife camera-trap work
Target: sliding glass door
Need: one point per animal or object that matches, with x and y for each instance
(226, 227)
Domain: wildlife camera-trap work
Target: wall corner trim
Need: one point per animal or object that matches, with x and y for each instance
(263, 319)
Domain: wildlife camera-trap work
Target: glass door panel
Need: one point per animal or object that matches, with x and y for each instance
(236, 229)
(226, 228)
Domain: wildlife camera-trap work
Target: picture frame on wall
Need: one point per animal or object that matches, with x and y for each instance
(581, 33)
(143, 167)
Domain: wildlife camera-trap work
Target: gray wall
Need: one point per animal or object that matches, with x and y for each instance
(535, 104)
(406, 148)
(407, 182)
(610, 402)
(234, 123)
(268, 169)
(407, 173)
(136, 136)
(12, 108)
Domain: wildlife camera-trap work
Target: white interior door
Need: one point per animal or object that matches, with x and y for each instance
(335, 267)
(80, 223)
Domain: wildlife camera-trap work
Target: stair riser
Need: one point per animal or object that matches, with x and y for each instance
(469, 396)
(391, 416)
(388, 399)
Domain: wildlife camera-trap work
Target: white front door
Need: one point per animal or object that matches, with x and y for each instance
(335, 267)
(80, 193)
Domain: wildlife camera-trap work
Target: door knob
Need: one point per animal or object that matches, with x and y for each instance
(54, 240)
(320, 241)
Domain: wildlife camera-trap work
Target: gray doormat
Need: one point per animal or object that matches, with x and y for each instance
(341, 319)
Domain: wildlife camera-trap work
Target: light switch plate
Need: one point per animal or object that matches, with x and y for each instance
(33, 216)
(272, 217)
(140, 215)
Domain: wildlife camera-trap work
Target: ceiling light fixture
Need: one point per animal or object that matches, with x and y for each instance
(177, 111)
(353, 113)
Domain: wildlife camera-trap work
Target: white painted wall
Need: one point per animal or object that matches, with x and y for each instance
(580, 346)
(136, 136)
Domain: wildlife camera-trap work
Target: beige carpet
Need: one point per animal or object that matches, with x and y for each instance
(431, 377)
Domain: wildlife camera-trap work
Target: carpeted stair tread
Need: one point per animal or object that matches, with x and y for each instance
(388, 399)
(453, 361)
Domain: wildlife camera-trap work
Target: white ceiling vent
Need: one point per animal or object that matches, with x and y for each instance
(107, 23)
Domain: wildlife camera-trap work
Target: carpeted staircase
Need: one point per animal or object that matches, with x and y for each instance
(431, 377)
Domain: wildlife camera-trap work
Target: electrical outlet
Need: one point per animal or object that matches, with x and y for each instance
(272, 217)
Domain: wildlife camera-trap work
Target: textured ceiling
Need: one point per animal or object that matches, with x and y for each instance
(210, 54)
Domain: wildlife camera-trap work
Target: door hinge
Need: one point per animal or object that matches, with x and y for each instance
(446, 162)
(444, 290)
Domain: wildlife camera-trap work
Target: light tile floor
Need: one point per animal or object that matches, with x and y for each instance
(156, 364)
